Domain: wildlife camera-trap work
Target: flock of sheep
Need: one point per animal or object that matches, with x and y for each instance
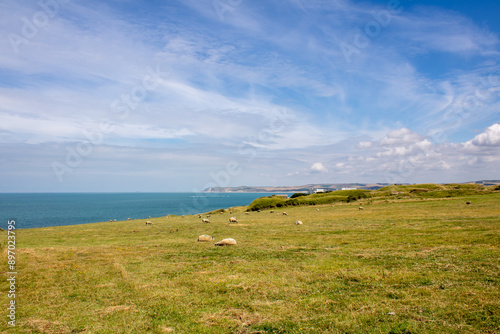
(230, 241)
(226, 241)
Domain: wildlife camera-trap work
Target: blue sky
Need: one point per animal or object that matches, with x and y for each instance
(184, 95)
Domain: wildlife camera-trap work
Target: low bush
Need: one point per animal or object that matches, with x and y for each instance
(312, 199)
(298, 195)
(266, 203)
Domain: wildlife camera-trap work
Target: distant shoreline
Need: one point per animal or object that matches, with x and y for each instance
(321, 186)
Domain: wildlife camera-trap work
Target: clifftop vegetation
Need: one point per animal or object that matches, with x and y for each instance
(417, 191)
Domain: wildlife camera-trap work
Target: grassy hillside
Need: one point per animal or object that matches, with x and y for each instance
(407, 263)
(391, 192)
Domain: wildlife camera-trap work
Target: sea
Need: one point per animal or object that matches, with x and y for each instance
(34, 210)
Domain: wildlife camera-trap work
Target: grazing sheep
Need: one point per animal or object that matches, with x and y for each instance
(183, 216)
(226, 242)
(208, 216)
(114, 220)
(317, 209)
(247, 213)
(206, 220)
(285, 214)
(233, 220)
(230, 212)
(361, 208)
(468, 203)
(149, 222)
(272, 211)
(298, 222)
(205, 237)
(199, 216)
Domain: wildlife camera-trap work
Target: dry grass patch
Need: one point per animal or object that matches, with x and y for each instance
(118, 308)
(46, 326)
(233, 317)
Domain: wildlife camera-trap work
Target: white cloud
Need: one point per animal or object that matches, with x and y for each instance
(405, 156)
(490, 137)
(318, 167)
(364, 145)
(401, 136)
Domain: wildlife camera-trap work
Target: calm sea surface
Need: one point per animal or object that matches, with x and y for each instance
(43, 210)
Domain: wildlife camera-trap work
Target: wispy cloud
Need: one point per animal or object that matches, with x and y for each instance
(430, 29)
(268, 79)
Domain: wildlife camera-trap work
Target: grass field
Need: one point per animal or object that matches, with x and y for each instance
(408, 265)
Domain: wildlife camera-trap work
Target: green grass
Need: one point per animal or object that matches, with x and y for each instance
(271, 202)
(418, 191)
(409, 265)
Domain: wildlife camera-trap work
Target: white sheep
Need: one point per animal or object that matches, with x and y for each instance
(298, 222)
(148, 222)
(233, 220)
(226, 242)
(205, 237)
(206, 220)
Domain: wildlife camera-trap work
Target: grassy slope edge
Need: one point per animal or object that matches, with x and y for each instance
(418, 191)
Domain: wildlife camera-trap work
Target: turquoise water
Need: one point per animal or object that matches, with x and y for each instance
(43, 210)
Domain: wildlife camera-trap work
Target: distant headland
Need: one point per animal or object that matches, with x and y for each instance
(318, 187)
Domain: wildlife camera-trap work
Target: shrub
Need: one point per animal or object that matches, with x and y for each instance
(265, 203)
(298, 195)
